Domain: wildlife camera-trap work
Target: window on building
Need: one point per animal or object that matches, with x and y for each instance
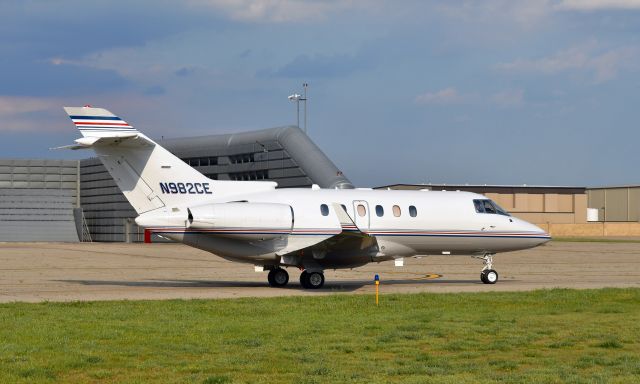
(201, 161)
(324, 209)
(397, 211)
(362, 211)
(379, 210)
(242, 158)
(413, 212)
(250, 175)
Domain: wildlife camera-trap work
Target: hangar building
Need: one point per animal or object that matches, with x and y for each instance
(616, 203)
(562, 211)
(69, 200)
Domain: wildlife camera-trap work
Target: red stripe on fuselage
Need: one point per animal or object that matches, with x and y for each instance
(92, 123)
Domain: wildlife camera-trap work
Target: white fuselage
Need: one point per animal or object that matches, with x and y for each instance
(312, 229)
(443, 223)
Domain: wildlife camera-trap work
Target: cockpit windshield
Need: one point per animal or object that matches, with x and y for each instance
(488, 206)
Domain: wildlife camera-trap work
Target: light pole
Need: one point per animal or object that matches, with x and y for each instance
(304, 93)
(295, 97)
(298, 98)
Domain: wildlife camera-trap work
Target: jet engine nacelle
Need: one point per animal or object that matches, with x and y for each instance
(251, 221)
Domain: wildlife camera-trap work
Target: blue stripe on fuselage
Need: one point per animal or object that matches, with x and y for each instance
(95, 117)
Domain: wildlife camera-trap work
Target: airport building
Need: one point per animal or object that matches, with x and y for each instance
(40, 200)
(69, 200)
(561, 211)
(616, 203)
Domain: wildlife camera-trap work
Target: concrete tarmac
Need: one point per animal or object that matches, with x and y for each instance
(35, 272)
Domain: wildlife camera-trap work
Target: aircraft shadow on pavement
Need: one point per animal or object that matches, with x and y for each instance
(334, 286)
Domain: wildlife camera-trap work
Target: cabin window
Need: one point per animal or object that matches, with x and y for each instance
(413, 212)
(500, 210)
(397, 211)
(362, 211)
(479, 206)
(379, 210)
(324, 209)
(488, 206)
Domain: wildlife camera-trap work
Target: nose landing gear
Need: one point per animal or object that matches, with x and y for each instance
(488, 274)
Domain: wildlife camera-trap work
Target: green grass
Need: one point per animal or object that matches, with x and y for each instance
(547, 336)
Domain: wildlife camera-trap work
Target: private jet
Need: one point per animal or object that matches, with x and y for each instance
(312, 229)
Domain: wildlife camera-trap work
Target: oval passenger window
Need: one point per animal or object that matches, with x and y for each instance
(362, 211)
(324, 210)
(413, 212)
(396, 211)
(379, 210)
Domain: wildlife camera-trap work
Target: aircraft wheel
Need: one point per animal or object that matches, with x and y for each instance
(304, 279)
(315, 280)
(278, 277)
(489, 276)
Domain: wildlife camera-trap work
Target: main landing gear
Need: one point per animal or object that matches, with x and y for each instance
(488, 274)
(312, 280)
(278, 277)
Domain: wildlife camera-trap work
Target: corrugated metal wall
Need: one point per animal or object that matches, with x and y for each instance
(108, 214)
(37, 200)
(616, 203)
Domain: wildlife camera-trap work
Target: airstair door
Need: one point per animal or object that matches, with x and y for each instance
(361, 217)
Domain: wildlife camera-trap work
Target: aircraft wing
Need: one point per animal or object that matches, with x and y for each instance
(346, 222)
(345, 230)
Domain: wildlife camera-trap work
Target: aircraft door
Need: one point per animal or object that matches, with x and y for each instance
(361, 217)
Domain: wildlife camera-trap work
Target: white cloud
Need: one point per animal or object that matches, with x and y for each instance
(16, 113)
(508, 98)
(281, 10)
(523, 13)
(595, 5)
(443, 96)
(11, 105)
(603, 65)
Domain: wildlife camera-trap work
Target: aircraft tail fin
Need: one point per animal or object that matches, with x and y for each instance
(98, 122)
(148, 175)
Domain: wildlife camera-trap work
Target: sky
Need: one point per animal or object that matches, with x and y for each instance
(542, 92)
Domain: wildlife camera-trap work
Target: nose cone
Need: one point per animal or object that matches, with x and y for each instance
(536, 235)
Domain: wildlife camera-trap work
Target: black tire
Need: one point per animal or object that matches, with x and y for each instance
(304, 279)
(490, 276)
(483, 277)
(278, 277)
(315, 280)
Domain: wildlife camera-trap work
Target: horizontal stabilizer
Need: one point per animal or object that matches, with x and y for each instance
(130, 139)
